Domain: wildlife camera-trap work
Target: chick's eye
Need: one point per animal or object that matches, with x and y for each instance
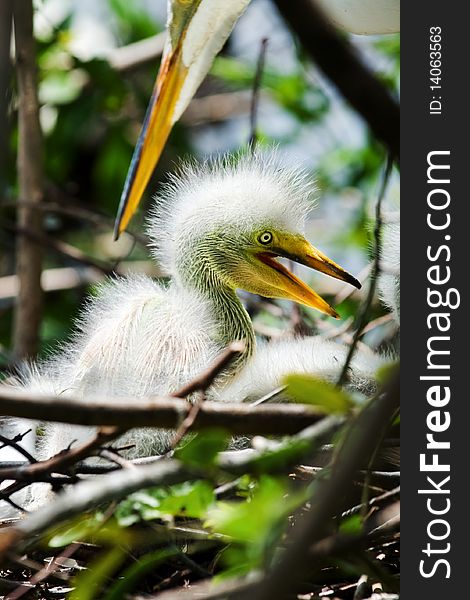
(266, 237)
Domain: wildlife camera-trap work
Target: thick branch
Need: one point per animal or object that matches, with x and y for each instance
(6, 11)
(335, 57)
(28, 255)
(165, 412)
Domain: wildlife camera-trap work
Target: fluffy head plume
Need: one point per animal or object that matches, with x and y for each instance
(242, 190)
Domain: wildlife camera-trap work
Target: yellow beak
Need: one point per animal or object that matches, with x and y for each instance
(293, 288)
(157, 125)
(196, 31)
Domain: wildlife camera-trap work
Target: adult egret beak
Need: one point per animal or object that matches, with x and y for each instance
(197, 30)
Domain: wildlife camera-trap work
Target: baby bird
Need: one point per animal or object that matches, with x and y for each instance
(215, 228)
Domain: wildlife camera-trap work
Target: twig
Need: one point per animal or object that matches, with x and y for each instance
(203, 381)
(375, 501)
(375, 272)
(138, 54)
(269, 396)
(63, 460)
(216, 108)
(14, 443)
(73, 211)
(331, 495)
(335, 57)
(27, 316)
(85, 495)
(114, 457)
(188, 422)
(60, 247)
(43, 574)
(255, 94)
(65, 278)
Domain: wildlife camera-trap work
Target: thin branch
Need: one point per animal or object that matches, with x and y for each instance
(203, 381)
(374, 275)
(14, 443)
(43, 573)
(27, 317)
(114, 457)
(138, 54)
(255, 93)
(67, 458)
(85, 495)
(66, 278)
(336, 58)
(373, 502)
(73, 211)
(58, 246)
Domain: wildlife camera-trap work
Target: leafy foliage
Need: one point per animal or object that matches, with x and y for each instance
(328, 398)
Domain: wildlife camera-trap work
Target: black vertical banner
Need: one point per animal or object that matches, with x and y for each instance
(435, 351)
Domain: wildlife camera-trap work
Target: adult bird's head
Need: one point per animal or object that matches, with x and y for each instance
(224, 226)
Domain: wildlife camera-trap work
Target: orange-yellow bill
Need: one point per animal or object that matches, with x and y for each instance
(157, 125)
(298, 249)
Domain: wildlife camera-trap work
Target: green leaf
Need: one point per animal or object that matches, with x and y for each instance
(188, 499)
(251, 521)
(90, 583)
(133, 574)
(93, 528)
(203, 448)
(307, 389)
(351, 525)
(80, 530)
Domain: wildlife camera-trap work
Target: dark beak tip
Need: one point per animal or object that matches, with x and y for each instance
(353, 281)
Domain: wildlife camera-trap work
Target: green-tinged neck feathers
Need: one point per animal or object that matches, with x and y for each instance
(201, 269)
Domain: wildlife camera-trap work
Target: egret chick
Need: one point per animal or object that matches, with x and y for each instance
(215, 228)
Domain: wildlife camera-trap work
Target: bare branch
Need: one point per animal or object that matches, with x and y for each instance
(138, 54)
(43, 573)
(28, 309)
(118, 484)
(203, 381)
(86, 495)
(162, 412)
(255, 93)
